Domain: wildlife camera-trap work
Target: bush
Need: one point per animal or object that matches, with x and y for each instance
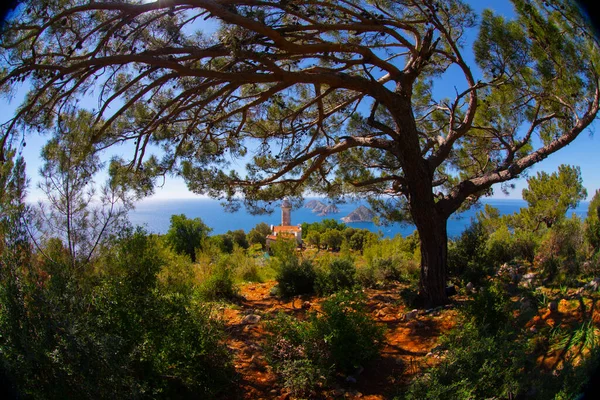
(340, 274)
(341, 338)
(332, 239)
(484, 358)
(244, 265)
(220, 284)
(352, 337)
(466, 255)
(295, 277)
(562, 249)
(476, 366)
(119, 333)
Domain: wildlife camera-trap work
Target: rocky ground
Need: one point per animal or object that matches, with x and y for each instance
(411, 339)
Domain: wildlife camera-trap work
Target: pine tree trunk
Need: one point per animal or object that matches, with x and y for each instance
(434, 254)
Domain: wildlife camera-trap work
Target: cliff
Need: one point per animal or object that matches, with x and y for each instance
(321, 208)
(361, 214)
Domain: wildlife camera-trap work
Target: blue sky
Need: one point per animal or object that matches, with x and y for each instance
(583, 152)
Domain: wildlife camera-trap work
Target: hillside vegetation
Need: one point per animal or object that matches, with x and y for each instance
(194, 315)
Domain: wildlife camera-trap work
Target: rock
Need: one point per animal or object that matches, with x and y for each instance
(430, 354)
(533, 329)
(594, 284)
(470, 287)
(553, 306)
(525, 304)
(251, 319)
(306, 305)
(411, 315)
(249, 311)
(529, 277)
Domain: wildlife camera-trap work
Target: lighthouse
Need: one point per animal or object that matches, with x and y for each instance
(286, 230)
(286, 213)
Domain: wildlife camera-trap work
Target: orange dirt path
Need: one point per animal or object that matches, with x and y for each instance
(406, 349)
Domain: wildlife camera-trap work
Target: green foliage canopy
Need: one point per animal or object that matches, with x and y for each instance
(549, 196)
(333, 97)
(186, 235)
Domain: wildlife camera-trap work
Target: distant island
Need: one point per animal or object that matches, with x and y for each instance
(321, 208)
(361, 214)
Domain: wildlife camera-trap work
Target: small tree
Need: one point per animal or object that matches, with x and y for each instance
(550, 196)
(592, 222)
(258, 234)
(72, 212)
(185, 235)
(332, 239)
(314, 239)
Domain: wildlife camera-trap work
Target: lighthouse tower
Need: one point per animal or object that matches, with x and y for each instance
(286, 213)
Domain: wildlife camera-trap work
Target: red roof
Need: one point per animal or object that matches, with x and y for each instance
(289, 228)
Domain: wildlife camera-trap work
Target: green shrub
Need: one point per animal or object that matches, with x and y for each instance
(562, 250)
(340, 338)
(476, 366)
(295, 277)
(340, 274)
(220, 283)
(484, 356)
(119, 332)
(352, 337)
(466, 255)
(388, 269)
(245, 266)
(293, 343)
(490, 308)
(499, 247)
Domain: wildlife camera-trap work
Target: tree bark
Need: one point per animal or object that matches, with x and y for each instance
(434, 254)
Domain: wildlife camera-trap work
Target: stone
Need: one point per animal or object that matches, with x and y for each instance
(306, 305)
(594, 284)
(553, 306)
(411, 315)
(470, 286)
(533, 329)
(251, 319)
(525, 304)
(529, 277)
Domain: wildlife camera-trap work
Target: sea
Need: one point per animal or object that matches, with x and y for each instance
(155, 216)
